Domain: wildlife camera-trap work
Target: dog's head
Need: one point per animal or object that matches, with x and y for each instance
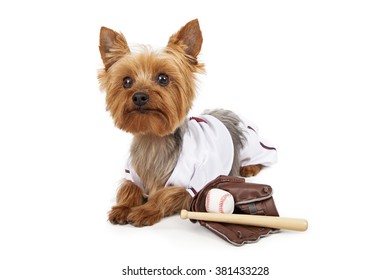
(150, 91)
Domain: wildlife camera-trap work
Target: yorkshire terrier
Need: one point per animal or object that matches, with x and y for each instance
(149, 94)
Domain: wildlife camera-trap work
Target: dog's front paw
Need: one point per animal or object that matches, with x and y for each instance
(144, 215)
(118, 214)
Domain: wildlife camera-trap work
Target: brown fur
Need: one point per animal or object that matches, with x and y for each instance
(165, 202)
(128, 196)
(158, 124)
(250, 170)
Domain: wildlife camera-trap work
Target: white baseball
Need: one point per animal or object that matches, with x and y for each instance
(219, 201)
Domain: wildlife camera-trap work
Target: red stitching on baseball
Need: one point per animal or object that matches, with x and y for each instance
(222, 201)
(207, 202)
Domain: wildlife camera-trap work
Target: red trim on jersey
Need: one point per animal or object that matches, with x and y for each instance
(266, 147)
(199, 120)
(193, 191)
(251, 128)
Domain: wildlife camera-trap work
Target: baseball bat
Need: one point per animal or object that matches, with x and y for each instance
(250, 220)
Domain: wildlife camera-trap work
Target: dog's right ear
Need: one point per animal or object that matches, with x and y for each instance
(112, 47)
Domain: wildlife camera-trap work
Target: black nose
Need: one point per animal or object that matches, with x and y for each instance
(140, 98)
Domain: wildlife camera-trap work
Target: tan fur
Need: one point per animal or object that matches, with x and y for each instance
(168, 105)
(158, 124)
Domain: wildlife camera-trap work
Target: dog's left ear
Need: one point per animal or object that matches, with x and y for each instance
(112, 47)
(188, 38)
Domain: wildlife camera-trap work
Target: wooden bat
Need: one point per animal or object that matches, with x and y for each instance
(250, 220)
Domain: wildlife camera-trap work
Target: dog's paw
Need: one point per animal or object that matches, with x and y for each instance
(118, 215)
(144, 215)
(250, 170)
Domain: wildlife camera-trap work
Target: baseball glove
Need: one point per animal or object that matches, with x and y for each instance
(250, 198)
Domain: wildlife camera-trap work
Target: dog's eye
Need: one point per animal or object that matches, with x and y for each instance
(163, 80)
(127, 82)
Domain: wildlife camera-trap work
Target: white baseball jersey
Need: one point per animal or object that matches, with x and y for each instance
(207, 152)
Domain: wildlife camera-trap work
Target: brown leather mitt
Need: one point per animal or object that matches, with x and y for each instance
(250, 198)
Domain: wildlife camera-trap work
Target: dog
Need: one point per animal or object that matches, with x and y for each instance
(149, 94)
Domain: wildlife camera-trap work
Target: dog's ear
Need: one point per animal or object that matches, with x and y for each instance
(112, 46)
(188, 38)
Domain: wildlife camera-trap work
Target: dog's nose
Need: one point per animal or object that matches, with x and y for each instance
(140, 98)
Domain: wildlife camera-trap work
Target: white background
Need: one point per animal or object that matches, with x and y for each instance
(313, 75)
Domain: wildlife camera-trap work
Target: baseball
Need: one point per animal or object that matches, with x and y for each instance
(219, 201)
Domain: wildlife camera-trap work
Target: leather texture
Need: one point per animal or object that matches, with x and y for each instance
(250, 198)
